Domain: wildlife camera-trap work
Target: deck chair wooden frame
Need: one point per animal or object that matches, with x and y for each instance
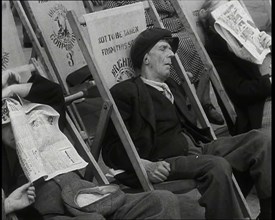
(110, 111)
(226, 105)
(22, 67)
(48, 62)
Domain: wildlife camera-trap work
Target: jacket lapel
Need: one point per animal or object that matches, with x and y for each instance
(180, 99)
(146, 104)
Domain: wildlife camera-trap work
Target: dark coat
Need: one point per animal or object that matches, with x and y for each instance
(136, 108)
(243, 83)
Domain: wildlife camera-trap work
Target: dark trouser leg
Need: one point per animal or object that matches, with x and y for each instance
(249, 152)
(157, 204)
(214, 178)
(245, 181)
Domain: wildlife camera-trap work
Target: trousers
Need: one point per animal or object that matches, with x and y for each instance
(157, 204)
(211, 167)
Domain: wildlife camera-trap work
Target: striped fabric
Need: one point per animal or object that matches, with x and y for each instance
(267, 116)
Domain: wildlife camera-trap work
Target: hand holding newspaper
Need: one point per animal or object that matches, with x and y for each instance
(238, 29)
(43, 150)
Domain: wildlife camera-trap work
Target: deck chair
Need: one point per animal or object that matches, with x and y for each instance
(110, 110)
(14, 58)
(61, 49)
(188, 11)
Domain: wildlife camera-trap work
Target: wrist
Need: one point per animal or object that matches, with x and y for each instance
(8, 206)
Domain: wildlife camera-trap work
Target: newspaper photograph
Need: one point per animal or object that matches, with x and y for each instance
(236, 26)
(43, 150)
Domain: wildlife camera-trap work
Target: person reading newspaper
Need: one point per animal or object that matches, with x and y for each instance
(171, 146)
(63, 195)
(241, 55)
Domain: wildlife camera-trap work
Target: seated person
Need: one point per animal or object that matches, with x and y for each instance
(18, 199)
(187, 53)
(50, 202)
(169, 143)
(247, 87)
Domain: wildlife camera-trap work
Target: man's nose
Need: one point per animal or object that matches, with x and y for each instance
(171, 53)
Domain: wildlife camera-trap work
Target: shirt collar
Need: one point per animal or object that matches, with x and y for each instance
(162, 87)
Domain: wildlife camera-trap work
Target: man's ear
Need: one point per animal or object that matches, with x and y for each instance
(146, 59)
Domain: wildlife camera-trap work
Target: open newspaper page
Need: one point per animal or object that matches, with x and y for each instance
(43, 150)
(234, 24)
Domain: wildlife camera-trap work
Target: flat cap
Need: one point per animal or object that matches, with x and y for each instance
(146, 40)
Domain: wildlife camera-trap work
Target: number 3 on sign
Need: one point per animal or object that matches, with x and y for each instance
(70, 58)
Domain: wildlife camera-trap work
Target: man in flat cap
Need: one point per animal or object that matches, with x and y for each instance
(170, 144)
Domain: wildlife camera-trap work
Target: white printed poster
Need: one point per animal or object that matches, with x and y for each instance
(111, 34)
(61, 42)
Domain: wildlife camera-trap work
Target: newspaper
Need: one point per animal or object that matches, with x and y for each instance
(43, 150)
(235, 25)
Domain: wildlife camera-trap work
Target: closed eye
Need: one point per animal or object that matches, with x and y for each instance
(165, 47)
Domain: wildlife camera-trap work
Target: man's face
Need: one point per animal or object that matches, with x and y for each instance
(7, 135)
(159, 61)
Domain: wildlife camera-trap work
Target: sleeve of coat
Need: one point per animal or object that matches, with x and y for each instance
(113, 152)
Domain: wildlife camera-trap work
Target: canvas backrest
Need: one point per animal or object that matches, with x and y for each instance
(111, 41)
(49, 20)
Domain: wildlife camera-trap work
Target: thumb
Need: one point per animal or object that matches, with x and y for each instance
(24, 187)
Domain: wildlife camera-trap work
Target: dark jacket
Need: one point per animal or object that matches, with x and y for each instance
(243, 83)
(136, 108)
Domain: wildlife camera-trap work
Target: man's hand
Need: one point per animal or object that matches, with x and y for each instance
(9, 78)
(156, 171)
(20, 198)
(265, 39)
